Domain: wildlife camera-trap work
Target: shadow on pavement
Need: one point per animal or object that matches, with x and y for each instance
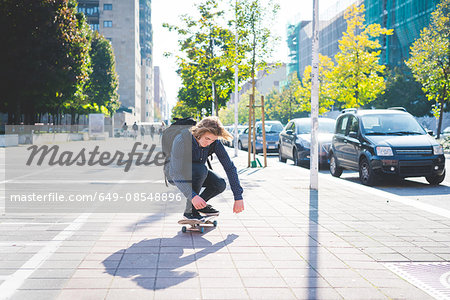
(313, 243)
(140, 264)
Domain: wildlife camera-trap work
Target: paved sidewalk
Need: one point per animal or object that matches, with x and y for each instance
(289, 243)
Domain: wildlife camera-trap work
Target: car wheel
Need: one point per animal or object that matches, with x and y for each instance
(435, 179)
(281, 158)
(295, 158)
(335, 170)
(366, 174)
(240, 145)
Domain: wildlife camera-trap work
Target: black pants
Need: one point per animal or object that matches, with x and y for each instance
(203, 177)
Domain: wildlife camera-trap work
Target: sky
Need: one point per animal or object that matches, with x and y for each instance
(168, 11)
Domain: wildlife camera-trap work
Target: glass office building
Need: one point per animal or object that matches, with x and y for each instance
(406, 17)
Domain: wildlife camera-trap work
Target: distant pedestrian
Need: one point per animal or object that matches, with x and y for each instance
(152, 131)
(142, 132)
(125, 129)
(135, 129)
(160, 132)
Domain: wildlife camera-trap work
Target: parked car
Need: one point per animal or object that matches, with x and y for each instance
(230, 129)
(383, 142)
(295, 140)
(272, 128)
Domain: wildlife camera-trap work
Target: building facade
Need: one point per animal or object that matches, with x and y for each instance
(127, 25)
(331, 28)
(406, 18)
(265, 81)
(146, 42)
(161, 103)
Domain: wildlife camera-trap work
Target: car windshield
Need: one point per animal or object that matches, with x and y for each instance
(325, 126)
(391, 124)
(270, 127)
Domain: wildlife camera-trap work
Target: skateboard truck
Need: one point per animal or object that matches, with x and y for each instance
(196, 225)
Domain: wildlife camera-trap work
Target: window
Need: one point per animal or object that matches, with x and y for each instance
(290, 126)
(353, 125)
(107, 6)
(94, 26)
(91, 10)
(107, 23)
(342, 125)
(109, 39)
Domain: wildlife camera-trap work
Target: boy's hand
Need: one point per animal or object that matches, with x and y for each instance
(198, 202)
(238, 206)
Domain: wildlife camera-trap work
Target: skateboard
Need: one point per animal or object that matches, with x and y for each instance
(197, 225)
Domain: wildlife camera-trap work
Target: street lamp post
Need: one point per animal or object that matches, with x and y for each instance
(236, 92)
(314, 155)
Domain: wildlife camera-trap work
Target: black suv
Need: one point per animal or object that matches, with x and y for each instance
(383, 142)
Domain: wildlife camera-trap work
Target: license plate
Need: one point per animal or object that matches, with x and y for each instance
(272, 146)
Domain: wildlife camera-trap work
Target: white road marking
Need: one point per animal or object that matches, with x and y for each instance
(14, 281)
(28, 223)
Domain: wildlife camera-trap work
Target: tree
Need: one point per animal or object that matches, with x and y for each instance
(226, 114)
(357, 78)
(44, 56)
(285, 104)
(181, 110)
(254, 21)
(103, 82)
(206, 70)
(430, 59)
(326, 93)
(404, 91)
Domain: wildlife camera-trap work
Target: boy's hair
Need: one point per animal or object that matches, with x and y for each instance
(211, 125)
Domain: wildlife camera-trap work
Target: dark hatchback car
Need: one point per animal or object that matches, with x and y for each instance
(384, 142)
(295, 140)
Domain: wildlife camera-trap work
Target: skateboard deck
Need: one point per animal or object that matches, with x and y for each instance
(197, 225)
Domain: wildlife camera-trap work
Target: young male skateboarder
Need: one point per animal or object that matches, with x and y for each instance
(204, 138)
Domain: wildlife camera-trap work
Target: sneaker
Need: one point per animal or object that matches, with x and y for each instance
(209, 211)
(192, 216)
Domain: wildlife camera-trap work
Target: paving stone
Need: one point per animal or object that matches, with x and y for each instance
(85, 294)
(130, 294)
(219, 273)
(135, 282)
(36, 294)
(358, 293)
(223, 293)
(43, 284)
(317, 293)
(93, 283)
(221, 282)
(181, 293)
(270, 293)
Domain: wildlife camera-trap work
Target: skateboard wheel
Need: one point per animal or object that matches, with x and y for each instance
(215, 223)
(202, 229)
(184, 229)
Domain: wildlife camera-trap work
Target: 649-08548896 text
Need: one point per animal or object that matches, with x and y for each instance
(94, 197)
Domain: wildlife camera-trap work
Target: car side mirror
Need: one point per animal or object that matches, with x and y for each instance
(289, 132)
(353, 134)
(430, 132)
